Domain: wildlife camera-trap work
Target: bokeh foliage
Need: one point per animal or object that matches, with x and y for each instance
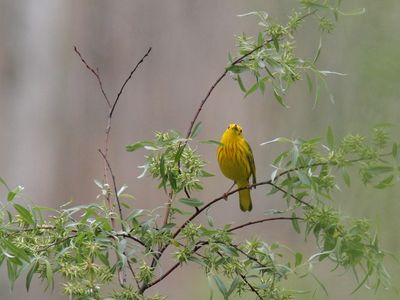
(93, 248)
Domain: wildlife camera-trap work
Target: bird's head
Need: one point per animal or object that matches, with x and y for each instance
(234, 130)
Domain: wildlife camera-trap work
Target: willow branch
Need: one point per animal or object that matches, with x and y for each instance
(262, 221)
(114, 183)
(237, 61)
(95, 73)
(126, 81)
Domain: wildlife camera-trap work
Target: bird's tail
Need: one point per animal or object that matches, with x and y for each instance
(244, 197)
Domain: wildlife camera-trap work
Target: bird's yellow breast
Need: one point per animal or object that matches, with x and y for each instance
(233, 161)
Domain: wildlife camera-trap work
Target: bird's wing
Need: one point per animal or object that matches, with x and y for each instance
(250, 157)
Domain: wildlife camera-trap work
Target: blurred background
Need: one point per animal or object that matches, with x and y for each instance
(53, 116)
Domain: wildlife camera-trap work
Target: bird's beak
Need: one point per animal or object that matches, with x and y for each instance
(235, 127)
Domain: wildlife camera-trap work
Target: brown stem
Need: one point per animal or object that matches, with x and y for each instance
(114, 183)
(262, 221)
(125, 82)
(95, 73)
(237, 61)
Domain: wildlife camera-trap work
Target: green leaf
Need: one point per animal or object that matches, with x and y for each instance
(298, 259)
(12, 194)
(309, 83)
(206, 174)
(279, 98)
(346, 177)
(376, 170)
(252, 89)
(236, 69)
(25, 214)
(394, 150)
(260, 39)
(330, 138)
(388, 181)
(3, 182)
(303, 177)
(12, 273)
(234, 285)
(221, 286)
(29, 276)
(241, 85)
(276, 43)
(49, 275)
(17, 252)
(211, 142)
(138, 145)
(295, 223)
(191, 202)
(196, 130)
(318, 51)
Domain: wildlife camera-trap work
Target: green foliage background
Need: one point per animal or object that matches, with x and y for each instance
(366, 48)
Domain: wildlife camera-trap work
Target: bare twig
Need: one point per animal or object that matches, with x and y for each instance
(126, 81)
(133, 274)
(237, 61)
(95, 73)
(262, 221)
(250, 285)
(114, 183)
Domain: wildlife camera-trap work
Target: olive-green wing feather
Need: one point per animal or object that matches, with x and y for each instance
(250, 157)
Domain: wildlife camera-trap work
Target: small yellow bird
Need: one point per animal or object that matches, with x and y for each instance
(236, 162)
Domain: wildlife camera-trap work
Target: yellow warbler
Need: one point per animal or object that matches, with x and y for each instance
(236, 162)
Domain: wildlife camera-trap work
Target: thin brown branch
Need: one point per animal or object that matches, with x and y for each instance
(237, 61)
(262, 221)
(250, 285)
(131, 237)
(145, 287)
(126, 81)
(114, 184)
(95, 73)
(133, 274)
(57, 243)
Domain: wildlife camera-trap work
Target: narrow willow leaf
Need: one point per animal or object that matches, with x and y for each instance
(346, 177)
(29, 276)
(3, 182)
(221, 286)
(309, 83)
(191, 202)
(234, 285)
(318, 51)
(122, 189)
(295, 223)
(394, 150)
(330, 138)
(298, 259)
(10, 196)
(252, 89)
(241, 85)
(388, 181)
(380, 169)
(211, 142)
(196, 130)
(49, 276)
(138, 145)
(17, 252)
(12, 273)
(276, 43)
(25, 214)
(279, 98)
